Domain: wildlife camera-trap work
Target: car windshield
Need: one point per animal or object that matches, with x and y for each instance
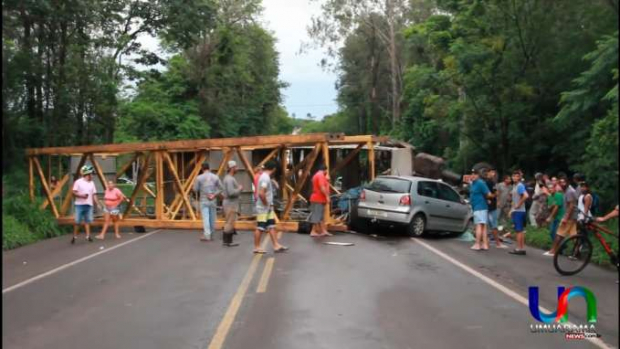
(390, 185)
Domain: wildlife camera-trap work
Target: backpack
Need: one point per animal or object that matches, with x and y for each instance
(594, 209)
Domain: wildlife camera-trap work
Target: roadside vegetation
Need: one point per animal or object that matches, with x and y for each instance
(539, 237)
(22, 221)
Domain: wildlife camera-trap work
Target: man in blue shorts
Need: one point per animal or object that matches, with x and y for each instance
(519, 195)
(478, 195)
(493, 209)
(85, 194)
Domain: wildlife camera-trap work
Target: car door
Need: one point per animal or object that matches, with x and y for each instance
(428, 198)
(454, 210)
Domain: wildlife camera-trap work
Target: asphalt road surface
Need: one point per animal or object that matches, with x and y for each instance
(167, 290)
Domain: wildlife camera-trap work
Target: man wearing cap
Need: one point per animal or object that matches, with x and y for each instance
(85, 194)
(265, 214)
(231, 192)
(209, 186)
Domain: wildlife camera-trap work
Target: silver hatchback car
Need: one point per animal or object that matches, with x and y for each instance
(420, 204)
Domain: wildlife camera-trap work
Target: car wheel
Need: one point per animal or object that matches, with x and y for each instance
(417, 226)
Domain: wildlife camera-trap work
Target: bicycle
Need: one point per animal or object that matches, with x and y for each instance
(575, 252)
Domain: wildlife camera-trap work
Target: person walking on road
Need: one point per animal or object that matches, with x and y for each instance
(265, 214)
(478, 195)
(209, 186)
(85, 194)
(568, 224)
(318, 200)
(111, 209)
(231, 192)
(493, 209)
(519, 195)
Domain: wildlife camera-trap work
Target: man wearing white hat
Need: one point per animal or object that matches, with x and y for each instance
(231, 192)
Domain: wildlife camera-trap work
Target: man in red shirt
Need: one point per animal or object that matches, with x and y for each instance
(318, 200)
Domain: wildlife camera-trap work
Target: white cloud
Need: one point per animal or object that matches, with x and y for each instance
(311, 88)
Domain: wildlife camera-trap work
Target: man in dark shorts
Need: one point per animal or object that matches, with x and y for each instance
(318, 200)
(265, 215)
(518, 212)
(493, 209)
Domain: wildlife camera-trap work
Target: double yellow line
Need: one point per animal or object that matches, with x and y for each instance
(229, 317)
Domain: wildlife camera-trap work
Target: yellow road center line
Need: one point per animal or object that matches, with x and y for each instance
(264, 279)
(229, 317)
(222, 330)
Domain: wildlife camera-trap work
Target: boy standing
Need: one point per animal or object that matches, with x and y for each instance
(519, 195)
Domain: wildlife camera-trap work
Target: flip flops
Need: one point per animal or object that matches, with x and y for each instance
(281, 249)
(259, 251)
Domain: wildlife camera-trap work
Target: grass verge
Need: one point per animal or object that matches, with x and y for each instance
(540, 238)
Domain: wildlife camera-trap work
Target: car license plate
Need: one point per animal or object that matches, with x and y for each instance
(376, 213)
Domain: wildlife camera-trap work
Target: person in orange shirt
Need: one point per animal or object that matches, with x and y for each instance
(111, 210)
(257, 173)
(318, 200)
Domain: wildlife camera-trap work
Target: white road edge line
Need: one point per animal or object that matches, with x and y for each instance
(70, 264)
(512, 294)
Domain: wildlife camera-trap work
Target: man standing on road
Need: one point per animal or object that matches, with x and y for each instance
(519, 195)
(535, 208)
(503, 199)
(555, 202)
(265, 215)
(318, 200)
(85, 194)
(584, 203)
(209, 186)
(231, 192)
(568, 224)
(493, 209)
(478, 195)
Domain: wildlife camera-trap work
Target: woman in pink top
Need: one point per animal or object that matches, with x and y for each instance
(111, 209)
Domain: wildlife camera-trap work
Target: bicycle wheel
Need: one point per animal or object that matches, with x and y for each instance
(573, 255)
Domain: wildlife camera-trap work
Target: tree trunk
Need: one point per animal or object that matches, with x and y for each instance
(394, 70)
(27, 49)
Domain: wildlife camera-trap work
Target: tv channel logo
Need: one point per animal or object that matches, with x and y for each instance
(564, 296)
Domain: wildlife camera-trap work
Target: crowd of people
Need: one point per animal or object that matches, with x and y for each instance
(554, 202)
(209, 188)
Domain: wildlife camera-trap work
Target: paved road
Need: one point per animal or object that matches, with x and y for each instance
(167, 290)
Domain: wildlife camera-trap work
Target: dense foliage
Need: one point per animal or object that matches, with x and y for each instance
(74, 72)
(520, 83)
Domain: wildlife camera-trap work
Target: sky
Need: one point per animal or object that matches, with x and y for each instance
(311, 88)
